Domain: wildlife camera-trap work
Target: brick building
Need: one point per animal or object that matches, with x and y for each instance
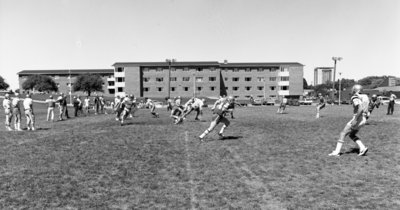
(208, 79)
(65, 78)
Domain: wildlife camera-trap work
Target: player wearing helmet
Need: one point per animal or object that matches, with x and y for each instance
(321, 104)
(194, 104)
(7, 111)
(152, 107)
(220, 108)
(374, 102)
(360, 104)
(127, 105)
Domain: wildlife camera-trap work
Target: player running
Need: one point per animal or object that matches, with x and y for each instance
(195, 104)
(321, 104)
(152, 106)
(177, 110)
(220, 108)
(7, 111)
(374, 102)
(127, 105)
(360, 104)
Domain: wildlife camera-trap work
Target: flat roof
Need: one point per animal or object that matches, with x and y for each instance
(66, 71)
(208, 63)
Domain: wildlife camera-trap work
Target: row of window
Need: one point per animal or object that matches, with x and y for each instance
(211, 79)
(121, 69)
(212, 88)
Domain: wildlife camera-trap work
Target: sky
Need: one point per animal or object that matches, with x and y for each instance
(94, 34)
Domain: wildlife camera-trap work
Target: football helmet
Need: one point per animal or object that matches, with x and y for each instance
(356, 89)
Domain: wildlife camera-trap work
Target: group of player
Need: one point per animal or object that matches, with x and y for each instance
(12, 109)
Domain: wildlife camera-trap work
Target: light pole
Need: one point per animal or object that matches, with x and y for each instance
(70, 87)
(335, 59)
(340, 86)
(170, 62)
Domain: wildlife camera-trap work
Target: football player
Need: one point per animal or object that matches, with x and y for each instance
(16, 111)
(152, 107)
(127, 105)
(360, 105)
(194, 104)
(220, 108)
(176, 112)
(374, 102)
(282, 106)
(7, 111)
(321, 104)
(30, 116)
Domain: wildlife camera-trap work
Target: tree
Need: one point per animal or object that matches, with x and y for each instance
(3, 84)
(40, 83)
(89, 83)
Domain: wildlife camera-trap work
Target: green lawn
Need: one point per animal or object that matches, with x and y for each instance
(268, 161)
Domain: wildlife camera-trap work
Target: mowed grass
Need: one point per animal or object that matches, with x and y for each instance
(267, 161)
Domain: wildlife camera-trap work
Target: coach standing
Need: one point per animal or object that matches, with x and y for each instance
(392, 97)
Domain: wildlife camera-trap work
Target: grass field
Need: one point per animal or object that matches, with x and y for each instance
(268, 161)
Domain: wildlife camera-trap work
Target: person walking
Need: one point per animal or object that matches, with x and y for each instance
(392, 99)
(7, 111)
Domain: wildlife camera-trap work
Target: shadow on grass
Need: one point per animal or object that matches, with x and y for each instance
(352, 150)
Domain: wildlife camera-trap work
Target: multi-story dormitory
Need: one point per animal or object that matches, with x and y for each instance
(186, 79)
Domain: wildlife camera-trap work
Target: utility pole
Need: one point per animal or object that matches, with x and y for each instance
(335, 59)
(170, 62)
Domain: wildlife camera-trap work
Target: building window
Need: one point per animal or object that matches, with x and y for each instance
(212, 79)
(235, 88)
(284, 87)
(199, 79)
(247, 70)
(146, 89)
(260, 79)
(70, 84)
(120, 69)
(199, 69)
(260, 88)
(272, 88)
(120, 89)
(186, 88)
(248, 88)
(226, 78)
(159, 79)
(159, 69)
(284, 69)
(247, 79)
(212, 88)
(173, 79)
(260, 96)
(120, 79)
(146, 79)
(159, 89)
(272, 96)
(111, 91)
(185, 79)
(235, 79)
(111, 83)
(284, 78)
(272, 79)
(172, 88)
(199, 88)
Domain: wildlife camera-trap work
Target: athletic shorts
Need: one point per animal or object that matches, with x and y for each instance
(321, 106)
(220, 119)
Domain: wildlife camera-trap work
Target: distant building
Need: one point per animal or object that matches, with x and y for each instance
(323, 75)
(208, 79)
(66, 78)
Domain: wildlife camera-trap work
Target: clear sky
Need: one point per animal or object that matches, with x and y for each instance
(62, 34)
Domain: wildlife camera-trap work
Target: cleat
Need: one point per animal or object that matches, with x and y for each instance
(33, 128)
(334, 154)
(201, 139)
(363, 152)
(221, 136)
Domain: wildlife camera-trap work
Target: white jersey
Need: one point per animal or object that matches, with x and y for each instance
(362, 101)
(28, 103)
(15, 103)
(6, 104)
(86, 102)
(198, 103)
